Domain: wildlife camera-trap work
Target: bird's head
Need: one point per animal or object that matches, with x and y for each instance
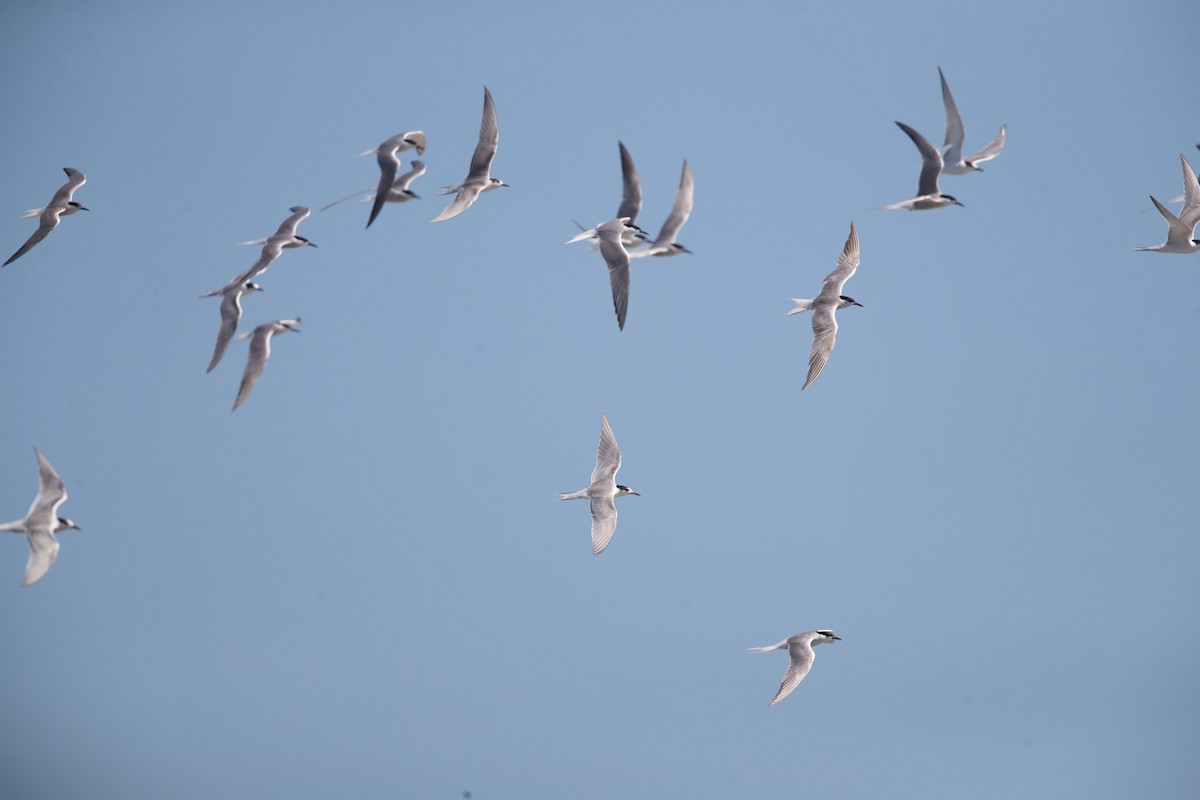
(625, 490)
(306, 242)
(846, 302)
(952, 200)
(678, 248)
(826, 637)
(65, 524)
(78, 206)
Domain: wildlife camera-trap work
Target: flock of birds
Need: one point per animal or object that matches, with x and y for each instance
(619, 240)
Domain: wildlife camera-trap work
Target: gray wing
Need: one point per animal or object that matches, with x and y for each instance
(681, 210)
(46, 223)
(604, 523)
(388, 162)
(231, 312)
(489, 139)
(931, 162)
(1189, 215)
(260, 351)
(802, 659)
(608, 455)
(462, 201)
(954, 127)
(43, 549)
(631, 187)
(402, 182)
(992, 149)
(1177, 232)
(288, 226)
(51, 494)
(824, 324)
(617, 259)
(75, 179)
(847, 263)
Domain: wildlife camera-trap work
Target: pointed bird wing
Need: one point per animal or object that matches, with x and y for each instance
(43, 549)
(802, 658)
(63, 196)
(631, 187)
(608, 455)
(931, 162)
(617, 259)
(388, 162)
(681, 210)
(260, 351)
(51, 494)
(954, 126)
(604, 523)
(992, 149)
(1189, 215)
(489, 139)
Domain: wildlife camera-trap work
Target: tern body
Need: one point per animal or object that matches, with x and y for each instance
(953, 161)
(61, 205)
(231, 314)
(389, 164)
(479, 179)
(399, 193)
(800, 651)
(42, 522)
(825, 305)
(260, 351)
(665, 244)
(1181, 228)
(603, 490)
(928, 195)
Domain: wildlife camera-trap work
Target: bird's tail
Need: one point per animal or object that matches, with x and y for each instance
(780, 646)
(32, 212)
(801, 306)
(580, 495)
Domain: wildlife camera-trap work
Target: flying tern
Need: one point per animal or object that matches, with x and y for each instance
(42, 522)
(389, 163)
(604, 489)
(800, 651)
(665, 244)
(61, 205)
(231, 313)
(1181, 228)
(825, 305)
(928, 195)
(272, 247)
(952, 157)
(399, 193)
(479, 177)
(260, 351)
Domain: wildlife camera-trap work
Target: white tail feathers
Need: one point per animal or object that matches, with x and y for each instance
(781, 646)
(801, 306)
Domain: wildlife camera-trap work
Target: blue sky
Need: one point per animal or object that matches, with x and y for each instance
(360, 584)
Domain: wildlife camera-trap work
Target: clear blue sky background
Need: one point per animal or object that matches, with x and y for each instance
(361, 585)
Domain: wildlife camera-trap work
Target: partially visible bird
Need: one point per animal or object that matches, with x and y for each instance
(665, 244)
(231, 313)
(928, 195)
(952, 157)
(825, 305)
(399, 193)
(61, 205)
(800, 650)
(479, 178)
(612, 236)
(42, 522)
(603, 489)
(260, 351)
(389, 164)
(1181, 227)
